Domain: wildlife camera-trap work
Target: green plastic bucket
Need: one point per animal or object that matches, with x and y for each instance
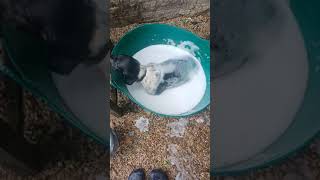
(28, 54)
(306, 124)
(154, 34)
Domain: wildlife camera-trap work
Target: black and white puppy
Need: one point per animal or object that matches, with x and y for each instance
(76, 31)
(155, 78)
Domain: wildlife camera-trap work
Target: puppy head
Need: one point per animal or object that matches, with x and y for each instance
(127, 66)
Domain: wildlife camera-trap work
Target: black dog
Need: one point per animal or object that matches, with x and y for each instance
(76, 31)
(128, 67)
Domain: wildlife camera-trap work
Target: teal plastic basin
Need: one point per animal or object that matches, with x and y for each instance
(306, 125)
(153, 34)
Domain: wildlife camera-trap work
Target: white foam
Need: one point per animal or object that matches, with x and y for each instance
(172, 101)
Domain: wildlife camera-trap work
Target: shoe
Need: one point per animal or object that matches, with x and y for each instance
(137, 174)
(158, 174)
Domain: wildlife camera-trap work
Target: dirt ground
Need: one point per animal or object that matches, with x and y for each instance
(184, 154)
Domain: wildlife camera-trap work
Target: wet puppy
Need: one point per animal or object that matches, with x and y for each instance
(76, 31)
(155, 78)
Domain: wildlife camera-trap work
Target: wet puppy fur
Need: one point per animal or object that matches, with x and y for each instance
(76, 31)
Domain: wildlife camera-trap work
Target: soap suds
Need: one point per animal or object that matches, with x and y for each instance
(184, 45)
(177, 128)
(142, 124)
(189, 46)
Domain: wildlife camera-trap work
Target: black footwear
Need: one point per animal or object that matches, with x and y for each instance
(158, 174)
(137, 174)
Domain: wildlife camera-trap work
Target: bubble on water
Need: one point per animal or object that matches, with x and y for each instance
(171, 42)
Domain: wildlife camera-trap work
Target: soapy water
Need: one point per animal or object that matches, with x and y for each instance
(172, 101)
